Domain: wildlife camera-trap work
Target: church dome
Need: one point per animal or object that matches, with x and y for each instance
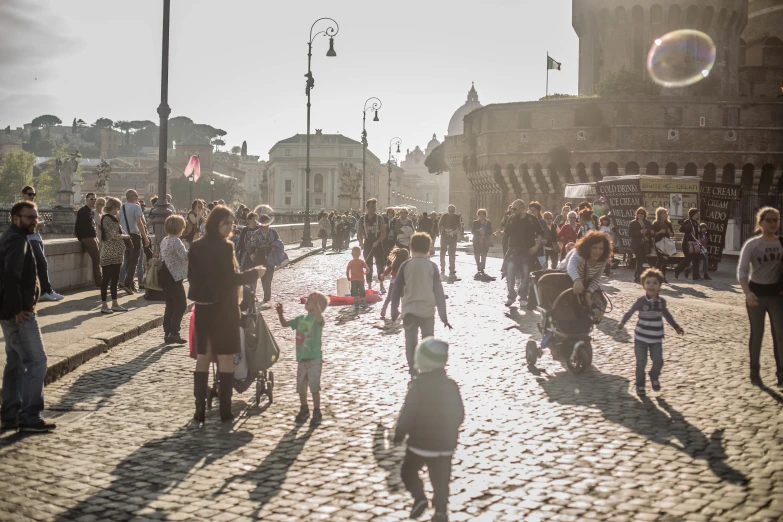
(432, 144)
(472, 103)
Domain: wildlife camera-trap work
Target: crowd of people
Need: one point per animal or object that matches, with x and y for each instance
(224, 252)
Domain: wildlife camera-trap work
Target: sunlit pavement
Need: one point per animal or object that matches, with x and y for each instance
(536, 444)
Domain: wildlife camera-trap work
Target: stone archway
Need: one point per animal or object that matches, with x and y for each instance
(691, 169)
(581, 173)
(632, 168)
(767, 178)
(612, 169)
(595, 168)
(671, 169)
(652, 169)
(747, 181)
(710, 173)
(538, 172)
(729, 175)
(527, 180)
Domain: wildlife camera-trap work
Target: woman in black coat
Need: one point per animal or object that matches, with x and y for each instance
(214, 276)
(641, 233)
(690, 227)
(662, 228)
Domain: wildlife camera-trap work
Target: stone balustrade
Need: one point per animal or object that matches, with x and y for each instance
(70, 267)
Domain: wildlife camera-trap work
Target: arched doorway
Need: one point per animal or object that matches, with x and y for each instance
(671, 169)
(729, 176)
(652, 169)
(595, 168)
(612, 169)
(747, 176)
(632, 168)
(581, 173)
(557, 186)
(710, 172)
(767, 177)
(691, 169)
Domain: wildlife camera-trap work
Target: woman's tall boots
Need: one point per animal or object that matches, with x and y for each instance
(200, 388)
(225, 390)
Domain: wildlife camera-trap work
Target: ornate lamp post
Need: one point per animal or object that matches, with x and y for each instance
(374, 106)
(161, 210)
(388, 163)
(212, 188)
(330, 31)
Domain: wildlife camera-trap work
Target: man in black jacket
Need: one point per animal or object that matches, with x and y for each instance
(25, 366)
(690, 229)
(85, 232)
(431, 417)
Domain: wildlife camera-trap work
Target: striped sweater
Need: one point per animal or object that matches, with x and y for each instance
(649, 328)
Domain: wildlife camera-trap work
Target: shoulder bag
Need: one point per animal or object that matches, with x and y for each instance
(152, 277)
(128, 241)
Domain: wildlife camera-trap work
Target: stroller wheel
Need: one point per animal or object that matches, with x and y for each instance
(260, 390)
(270, 386)
(531, 352)
(581, 357)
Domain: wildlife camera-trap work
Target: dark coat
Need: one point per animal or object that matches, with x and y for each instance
(432, 413)
(214, 279)
(85, 223)
(635, 231)
(19, 276)
(689, 227)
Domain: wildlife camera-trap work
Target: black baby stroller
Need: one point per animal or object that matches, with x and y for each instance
(566, 322)
(261, 352)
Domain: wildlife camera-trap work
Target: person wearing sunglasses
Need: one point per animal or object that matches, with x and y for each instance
(25, 366)
(87, 234)
(36, 243)
(760, 273)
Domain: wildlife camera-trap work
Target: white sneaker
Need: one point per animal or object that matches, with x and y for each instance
(382, 289)
(107, 311)
(56, 296)
(46, 297)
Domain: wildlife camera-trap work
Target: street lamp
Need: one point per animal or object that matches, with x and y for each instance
(375, 106)
(330, 31)
(212, 188)
(161, 210)
(388, 163)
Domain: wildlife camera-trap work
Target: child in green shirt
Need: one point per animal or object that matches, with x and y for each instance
(308, 353)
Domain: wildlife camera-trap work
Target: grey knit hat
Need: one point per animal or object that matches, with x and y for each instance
(431, 354)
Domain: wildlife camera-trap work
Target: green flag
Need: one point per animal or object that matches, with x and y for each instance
(552, 64)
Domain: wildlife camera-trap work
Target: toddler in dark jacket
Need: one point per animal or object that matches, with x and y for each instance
(430, 417)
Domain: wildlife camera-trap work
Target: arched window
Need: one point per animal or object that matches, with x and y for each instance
(498, 175)
(595, 168)
(557, 186)
(706, 18)
(691, 16)
(619, 14)
(772, 52)
(710, 172)
(671, 169)
(318, 183)
(675, 17)
(728, 174)
(538, 172)
(632, 168)
(691, 169)
(652, 169)
(747, 176)
(526, 179)
(612, 169)
(515, 185)
(581, 173)
(767, 176)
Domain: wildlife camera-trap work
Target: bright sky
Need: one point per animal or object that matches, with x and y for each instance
(239, 65)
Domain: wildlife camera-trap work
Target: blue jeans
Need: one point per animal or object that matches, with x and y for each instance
(129, 255)
(706, 267)
(656, 354)
(25, 370)
(41, 265)
(518, 265)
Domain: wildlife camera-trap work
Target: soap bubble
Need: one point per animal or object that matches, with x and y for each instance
(681, 58)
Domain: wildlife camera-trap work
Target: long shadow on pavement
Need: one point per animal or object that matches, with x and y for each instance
(271, 473)
(74, 322)
(104, 382)
(388, 457)
(155, 469)
(609, 393)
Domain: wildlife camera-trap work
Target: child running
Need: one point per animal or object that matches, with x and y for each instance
(356, 272)
(649, 328)
(419, 280)
(431, 417)
(309, 329)
(397, 257)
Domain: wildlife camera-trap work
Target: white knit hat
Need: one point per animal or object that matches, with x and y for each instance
(431, 354)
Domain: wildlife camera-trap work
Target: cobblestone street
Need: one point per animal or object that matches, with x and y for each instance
(536, 444)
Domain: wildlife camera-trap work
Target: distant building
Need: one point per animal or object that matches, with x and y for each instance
(111, 141)
(333, 157)
(429, 191)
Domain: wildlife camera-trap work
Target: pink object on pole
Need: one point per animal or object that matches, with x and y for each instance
(193, 168)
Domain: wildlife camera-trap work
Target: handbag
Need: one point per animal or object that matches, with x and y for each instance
(152, 279)
(694, 247)
(666, 247)
(128, 241)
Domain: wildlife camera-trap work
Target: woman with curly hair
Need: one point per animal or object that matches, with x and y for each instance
(586, 262)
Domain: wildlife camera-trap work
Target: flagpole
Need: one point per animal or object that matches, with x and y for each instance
(547, 73)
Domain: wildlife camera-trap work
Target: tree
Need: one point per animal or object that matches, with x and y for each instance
(180, 127)
(17, 171)
(207, 131)
(630, 83)
(244, 150)
(46, 121)
(103, 123)
(73, 126)
(124, 127)
(217, 142)
(38, 145)
(435, 162)
(136, 126)
(236, 149)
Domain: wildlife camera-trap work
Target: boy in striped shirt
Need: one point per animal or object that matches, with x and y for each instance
(648, 335)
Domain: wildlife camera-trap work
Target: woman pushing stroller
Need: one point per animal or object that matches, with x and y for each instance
(585, 264)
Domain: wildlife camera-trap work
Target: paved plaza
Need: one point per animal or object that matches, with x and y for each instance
(537, 444)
